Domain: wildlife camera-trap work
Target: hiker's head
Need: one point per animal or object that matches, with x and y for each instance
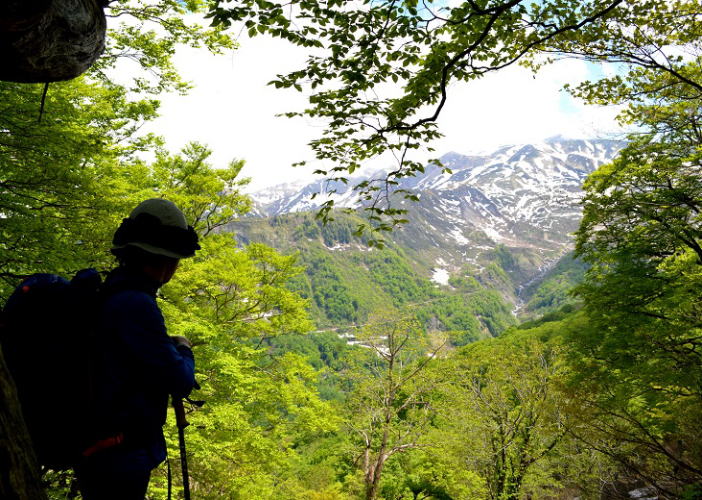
(154, 238)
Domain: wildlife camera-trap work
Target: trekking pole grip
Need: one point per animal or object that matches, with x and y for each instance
(181, 421)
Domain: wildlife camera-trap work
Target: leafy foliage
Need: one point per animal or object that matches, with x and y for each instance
(379, 71)
(390, 403)
(60, 172)
(503, 399)
(145, 35)
(641, 235)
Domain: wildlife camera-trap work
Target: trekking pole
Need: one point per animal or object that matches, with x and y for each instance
(182, 423)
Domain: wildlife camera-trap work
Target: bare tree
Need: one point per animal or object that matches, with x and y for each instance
(391, 405)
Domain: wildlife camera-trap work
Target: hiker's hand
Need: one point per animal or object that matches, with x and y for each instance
(178, 341)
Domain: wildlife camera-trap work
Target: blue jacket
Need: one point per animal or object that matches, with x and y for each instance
(141, 366)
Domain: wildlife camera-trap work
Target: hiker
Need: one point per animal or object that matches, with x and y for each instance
(139, 365)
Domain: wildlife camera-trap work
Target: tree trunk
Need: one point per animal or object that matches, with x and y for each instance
(49, 40)
(372, 487)
(19, 472)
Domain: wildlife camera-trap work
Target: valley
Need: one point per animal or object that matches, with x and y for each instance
(487, 245)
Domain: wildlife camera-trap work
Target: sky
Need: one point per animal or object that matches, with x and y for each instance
(233, 111)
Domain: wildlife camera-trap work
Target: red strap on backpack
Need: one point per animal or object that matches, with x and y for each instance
(104, 444)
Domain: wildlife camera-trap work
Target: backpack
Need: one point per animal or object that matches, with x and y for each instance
(48, 342)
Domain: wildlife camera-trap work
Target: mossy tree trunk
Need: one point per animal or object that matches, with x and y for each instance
(19, 472)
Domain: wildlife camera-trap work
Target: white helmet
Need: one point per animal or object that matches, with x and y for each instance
(159, 227)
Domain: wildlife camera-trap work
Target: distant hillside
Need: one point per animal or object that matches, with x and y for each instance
(345, 280)
(483, 242)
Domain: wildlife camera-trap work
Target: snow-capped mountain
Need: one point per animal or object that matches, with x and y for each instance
(285, 199)
(519, 195)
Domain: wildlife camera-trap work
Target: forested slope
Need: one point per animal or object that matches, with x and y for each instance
(346, 280)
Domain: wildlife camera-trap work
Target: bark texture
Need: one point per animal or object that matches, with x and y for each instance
(19, 472)
(49, 40)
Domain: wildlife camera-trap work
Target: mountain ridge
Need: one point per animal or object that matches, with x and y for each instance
(523, 195)
(504, 219)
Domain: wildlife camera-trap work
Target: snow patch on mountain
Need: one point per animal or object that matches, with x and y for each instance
(518, 195)
(457, 234)
(440, 276)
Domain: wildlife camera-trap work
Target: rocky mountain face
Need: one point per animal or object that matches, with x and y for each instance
(523, 197)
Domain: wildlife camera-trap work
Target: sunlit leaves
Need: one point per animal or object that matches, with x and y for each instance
(60, 178)
(502, 413)
(147, 34)
(229, 300)
(642, 234)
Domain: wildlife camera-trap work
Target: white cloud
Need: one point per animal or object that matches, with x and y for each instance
(233, 110)
(516, 106)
